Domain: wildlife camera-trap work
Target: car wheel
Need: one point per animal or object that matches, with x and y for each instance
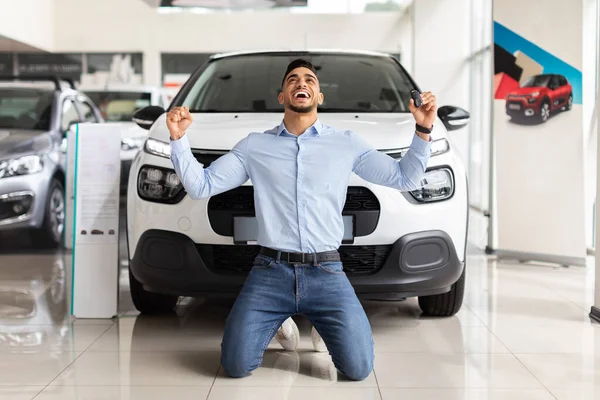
(544, 111)
(148, 302)
(570, 102)
(445, 304)
(50, 235)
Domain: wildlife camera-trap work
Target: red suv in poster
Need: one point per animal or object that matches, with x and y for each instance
(540, 96)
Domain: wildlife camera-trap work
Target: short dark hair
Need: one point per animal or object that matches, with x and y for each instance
(298, 64)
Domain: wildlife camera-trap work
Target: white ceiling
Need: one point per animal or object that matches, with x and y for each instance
(238, 4)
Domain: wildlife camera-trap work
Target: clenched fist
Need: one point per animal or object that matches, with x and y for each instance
(179, 120)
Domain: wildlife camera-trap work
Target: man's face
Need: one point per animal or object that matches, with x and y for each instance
(301, 92)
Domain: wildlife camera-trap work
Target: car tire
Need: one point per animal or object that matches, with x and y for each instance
(148, 302)
(570, 102)
(50, 234)
(445, 304)
(544, 111)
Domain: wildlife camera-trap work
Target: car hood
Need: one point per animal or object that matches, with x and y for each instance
(17, 142)
(527, 90)
(223, 131)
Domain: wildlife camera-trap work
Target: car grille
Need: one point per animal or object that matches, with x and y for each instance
(360, 202)
(236, 260)
(207, 157)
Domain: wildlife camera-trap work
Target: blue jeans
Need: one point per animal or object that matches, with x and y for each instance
(275, 291)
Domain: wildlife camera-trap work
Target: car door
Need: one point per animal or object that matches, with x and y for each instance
(564, 90)
(555, 97)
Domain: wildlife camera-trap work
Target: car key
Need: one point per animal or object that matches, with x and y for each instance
(416, 96)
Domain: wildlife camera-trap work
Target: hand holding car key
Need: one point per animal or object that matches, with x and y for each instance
(423, 106)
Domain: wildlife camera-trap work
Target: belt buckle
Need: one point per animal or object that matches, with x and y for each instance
(302, 258)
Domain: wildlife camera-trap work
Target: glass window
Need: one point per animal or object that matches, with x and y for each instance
(119, 106)
(251, 83)
(537, 81)
(22, 108)
(69, 115)
(562, 80)
(88, 112)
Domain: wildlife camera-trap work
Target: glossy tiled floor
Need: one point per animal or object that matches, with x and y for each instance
(522, 334)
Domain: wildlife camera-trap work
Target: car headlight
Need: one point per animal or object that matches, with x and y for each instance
(158, 148)
(21, 166)
(436, 185)
(534, 94)
(160, 185)
(439, 146)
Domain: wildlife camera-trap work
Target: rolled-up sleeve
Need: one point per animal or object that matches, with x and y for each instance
(379, 168)
(225, 173)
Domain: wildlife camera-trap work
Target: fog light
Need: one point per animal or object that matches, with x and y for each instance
(15, 204)
(436, 185)
(18, 208)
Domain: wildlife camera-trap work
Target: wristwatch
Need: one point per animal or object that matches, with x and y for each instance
(422, 129)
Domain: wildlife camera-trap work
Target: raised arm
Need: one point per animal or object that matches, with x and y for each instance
(379, 168)
(226, 173)
(406, 174)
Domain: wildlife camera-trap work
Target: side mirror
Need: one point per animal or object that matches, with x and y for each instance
(147, 116)
(453, 118)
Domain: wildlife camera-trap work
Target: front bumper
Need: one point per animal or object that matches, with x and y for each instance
(417, 264)
(35, 185)
(520, 107)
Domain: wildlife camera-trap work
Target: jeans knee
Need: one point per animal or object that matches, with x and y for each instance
(359, 372)
(358, 368)
(235, 366)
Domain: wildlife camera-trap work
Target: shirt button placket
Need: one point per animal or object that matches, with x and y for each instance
(300, 196)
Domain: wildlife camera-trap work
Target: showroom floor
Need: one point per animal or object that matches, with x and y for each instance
(523, 333)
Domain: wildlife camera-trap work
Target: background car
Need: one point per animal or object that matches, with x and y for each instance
(34, 120)
(399, 244)
(118, 103)
(539, 96)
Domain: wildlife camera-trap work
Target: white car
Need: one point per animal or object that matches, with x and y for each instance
(118, 103)
(397, 245)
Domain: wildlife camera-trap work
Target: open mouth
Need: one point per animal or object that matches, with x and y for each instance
(302, 94)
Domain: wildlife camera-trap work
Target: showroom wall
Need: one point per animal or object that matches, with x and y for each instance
(29, 22)
(138, 27)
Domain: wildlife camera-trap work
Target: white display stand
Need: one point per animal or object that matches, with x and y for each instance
(95, 151)
(539, 167)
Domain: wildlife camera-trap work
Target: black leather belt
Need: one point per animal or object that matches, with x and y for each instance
(325, 256)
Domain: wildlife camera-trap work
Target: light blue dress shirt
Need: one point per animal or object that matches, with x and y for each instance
(300, 183)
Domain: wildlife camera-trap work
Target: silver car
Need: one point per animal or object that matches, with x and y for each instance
(35, 117)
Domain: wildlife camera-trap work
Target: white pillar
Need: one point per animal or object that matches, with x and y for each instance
(595, 312)
(152, 67)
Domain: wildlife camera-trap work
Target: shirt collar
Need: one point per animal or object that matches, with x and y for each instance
(316, 128)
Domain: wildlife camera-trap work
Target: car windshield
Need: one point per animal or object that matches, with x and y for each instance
(537, 81)
(251, 83)
(119, 106)
(23, 108)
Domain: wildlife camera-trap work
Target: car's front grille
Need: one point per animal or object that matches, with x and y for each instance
(364, 260)
(207, 157)
(228, 259)
(359, 199)
(360, 202)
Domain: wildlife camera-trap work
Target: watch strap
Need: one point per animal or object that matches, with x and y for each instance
(422, 129)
